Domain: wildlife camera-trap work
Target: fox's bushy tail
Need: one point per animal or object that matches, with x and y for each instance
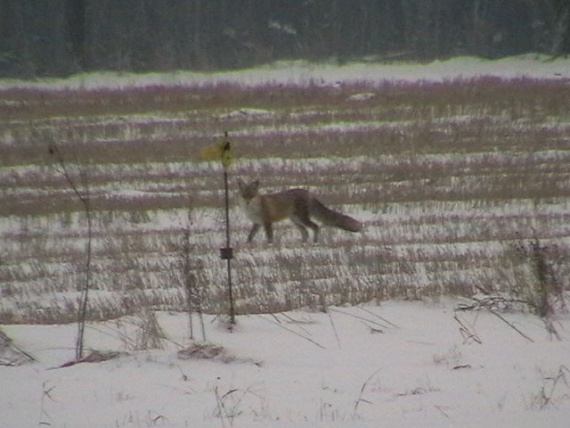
(333, 218)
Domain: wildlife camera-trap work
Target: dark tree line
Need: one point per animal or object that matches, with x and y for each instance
(59, 37)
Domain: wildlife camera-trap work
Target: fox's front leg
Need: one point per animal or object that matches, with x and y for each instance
(252, 232)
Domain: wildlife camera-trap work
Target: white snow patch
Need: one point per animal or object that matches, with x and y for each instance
(399, 364)
(363, 96)
(305, 73)
(246, 112)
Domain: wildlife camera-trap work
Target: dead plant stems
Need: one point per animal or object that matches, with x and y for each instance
(314, 342)
(360, 398)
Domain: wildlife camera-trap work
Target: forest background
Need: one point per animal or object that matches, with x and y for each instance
(62, 37)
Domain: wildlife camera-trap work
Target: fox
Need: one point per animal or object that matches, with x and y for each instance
(298, 205)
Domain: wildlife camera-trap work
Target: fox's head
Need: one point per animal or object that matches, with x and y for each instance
(248, 191)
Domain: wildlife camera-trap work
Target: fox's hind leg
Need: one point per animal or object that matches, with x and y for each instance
(268, 231)
(315, 228)
(302, 229)
(302, 223)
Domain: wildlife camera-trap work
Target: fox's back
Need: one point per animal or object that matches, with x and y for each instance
(282, 205)
(275, 206)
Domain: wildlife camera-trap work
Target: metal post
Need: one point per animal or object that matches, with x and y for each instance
(227, 252)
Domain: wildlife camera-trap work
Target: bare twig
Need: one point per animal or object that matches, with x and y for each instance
(358, 317)
(378, 316)
(46, 393)
(442, 411)
(373, 330)
(314, 342)
(510, 324)
(467, 331)
(550, 385)
(193, 294)
(488, 304)
(85, 200)
(335, 331)
(549, 325)
(362, 389)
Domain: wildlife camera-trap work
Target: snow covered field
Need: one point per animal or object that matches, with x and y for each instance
(445, 189)
(394, 365)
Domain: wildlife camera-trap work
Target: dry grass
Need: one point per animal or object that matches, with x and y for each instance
(444, 175)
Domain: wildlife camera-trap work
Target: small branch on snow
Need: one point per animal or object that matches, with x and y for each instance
(467, 331)
(362, 389)
(510, 325)
(334, 329)
(489, 303)
(361, 318)
(378, 316)
(293, 331)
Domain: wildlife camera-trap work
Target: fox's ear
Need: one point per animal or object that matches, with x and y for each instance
(255, 185)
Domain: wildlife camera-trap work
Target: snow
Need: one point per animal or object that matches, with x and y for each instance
(306, 73)
(401, 364)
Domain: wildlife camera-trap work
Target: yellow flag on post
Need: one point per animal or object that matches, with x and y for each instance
(219, 151)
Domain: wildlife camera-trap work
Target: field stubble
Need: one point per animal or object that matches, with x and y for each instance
(445, 176)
